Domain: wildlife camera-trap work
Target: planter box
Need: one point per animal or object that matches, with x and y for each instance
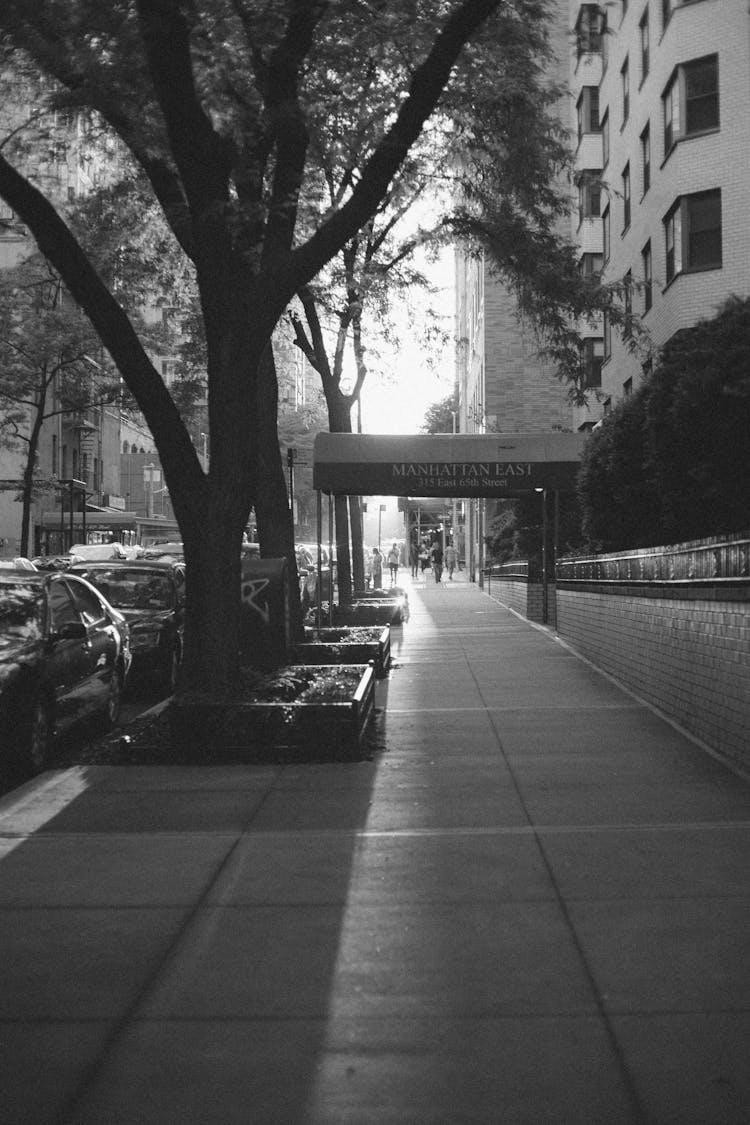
(369, 611)
(284, 731)
(334, 646)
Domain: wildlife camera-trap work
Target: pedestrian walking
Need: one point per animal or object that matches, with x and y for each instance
(376, 569)
(451, 558)
(436, 554)
(393, 561)
(414, 560)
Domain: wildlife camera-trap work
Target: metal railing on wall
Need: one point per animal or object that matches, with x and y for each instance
(703, 560)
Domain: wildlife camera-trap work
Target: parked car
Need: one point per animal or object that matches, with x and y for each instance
(151, 595)
(64, 657)
(307, 568)
(307, 571)
(171, 547)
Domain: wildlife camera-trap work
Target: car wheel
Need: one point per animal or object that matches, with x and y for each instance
(114, 698)
(40, 734)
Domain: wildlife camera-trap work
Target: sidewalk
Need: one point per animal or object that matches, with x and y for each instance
(531, 907)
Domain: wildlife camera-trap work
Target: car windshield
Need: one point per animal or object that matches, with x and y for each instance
(132, 589)
(20, 613)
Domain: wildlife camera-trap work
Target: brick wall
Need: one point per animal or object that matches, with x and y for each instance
(685, 651)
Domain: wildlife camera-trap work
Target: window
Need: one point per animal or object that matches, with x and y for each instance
(643, 31)
(589, 195)
(606, 236)
(87, 603)
(590, 264)
(626, 197)
(625, 87)
(589, 30)
(647, 276)
(588, 111)
(692, 233)
(61, 608)
(592, 357)
(691, 100)
(627, 387)
(646, 159)
(605, 139)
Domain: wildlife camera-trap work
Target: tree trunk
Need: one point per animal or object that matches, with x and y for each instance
(274, 518)
(28, 476)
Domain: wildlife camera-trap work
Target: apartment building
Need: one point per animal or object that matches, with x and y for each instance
(660, 92)
(504, 385)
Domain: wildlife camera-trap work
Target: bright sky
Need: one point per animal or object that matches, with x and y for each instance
(399, 408)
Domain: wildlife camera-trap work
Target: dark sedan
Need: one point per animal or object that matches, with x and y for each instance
(151, 595)
(64, 657)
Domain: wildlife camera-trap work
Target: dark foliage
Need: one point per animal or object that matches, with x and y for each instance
(669, 463)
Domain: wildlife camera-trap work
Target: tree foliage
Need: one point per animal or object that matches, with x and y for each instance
(213, 102)
(668, 464)
(442, 416)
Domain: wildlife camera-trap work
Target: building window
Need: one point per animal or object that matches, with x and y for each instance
(587, 109)
(646, 159)
(626, 197)
(592, 357)
(691, 100)
(644, 39)
(647, 276)
(605, 139)
(606, 234)
(692, 233)
(589, 30)
(590, 264)
(627, 387)
(625, 87)
(589, 195)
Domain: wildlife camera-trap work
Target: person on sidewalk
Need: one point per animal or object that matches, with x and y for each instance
(393, 561)
(451, 558)
(436, 554)
(376, 569)
(414, 560)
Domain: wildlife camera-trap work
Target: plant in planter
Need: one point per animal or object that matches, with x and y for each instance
(347, 644)
(299, 713)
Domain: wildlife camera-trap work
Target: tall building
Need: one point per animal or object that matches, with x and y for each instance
(661, 96)
(503, 384)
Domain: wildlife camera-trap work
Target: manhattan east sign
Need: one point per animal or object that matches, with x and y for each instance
(461, 465)
(447, 477)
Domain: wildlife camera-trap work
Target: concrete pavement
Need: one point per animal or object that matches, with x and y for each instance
(532, 906)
